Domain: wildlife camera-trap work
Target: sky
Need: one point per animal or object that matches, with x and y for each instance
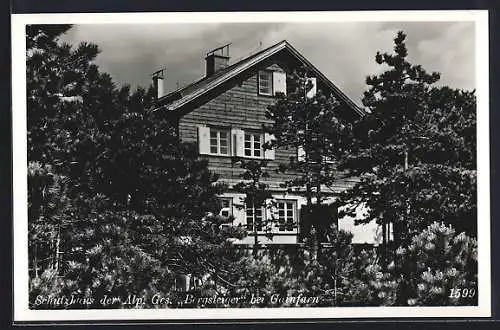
(343, 51)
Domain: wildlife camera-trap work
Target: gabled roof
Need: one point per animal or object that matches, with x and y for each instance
(193, 91)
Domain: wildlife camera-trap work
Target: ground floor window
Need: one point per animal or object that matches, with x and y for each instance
(283, 216)
(255, 216)
(226, 207)
(184, 282)
(287, 215)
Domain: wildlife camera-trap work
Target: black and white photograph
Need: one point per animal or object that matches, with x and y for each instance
(245, 166)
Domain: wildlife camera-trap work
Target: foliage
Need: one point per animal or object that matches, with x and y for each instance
(414, 152)
(48, 209)
(118, 206)
(344, 277)
(366, 283)
(436, 262)
(256, 191)
(140, 204)
(58, 79)
(257, 195)
(311, 124)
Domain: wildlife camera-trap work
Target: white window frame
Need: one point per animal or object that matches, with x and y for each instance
(278, 227)
(263, 218)
(301, 157)
(286, 209)
(312, 92)
(269, 75)
(252, 148)
(228, 208)
(183, 282)
(218, 144)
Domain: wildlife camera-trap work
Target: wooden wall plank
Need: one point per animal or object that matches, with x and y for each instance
(240, 106)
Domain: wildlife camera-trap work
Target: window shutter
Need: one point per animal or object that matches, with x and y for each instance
(272, 215)
(301, 154)
(269, 153)
(204, 140)
(279, 82)
(238, 142)
(312, 92)
(239, 213)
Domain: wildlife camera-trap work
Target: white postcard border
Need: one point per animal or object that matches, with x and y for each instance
(20, 225)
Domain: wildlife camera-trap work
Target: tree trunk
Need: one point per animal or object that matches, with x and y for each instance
(406, 159)
(318, 233)
(57, 250)
(335, 288)
(255, 238)
(256, 241)
(403, 227)
(318, 194)
(309, 197)
(35, 260)
(384, 245)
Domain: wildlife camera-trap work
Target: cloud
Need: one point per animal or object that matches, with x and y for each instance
(343, 51)
(452, 54)
(130, 53)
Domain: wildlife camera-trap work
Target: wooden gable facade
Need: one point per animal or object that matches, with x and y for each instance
(224, 114)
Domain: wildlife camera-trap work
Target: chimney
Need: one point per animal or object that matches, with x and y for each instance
(158, 83)
(217, 59)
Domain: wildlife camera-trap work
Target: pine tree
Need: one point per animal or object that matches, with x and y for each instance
(342, 277)
(56, 78)
(132, 206)
(438, 268)
(366, 283)
(258, 197)
(55, 119)
(310, 124)
(413, 152)
(48, 207)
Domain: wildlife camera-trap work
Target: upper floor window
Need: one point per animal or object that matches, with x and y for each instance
(219, 141)
(253, 145)
(233, 142)
(301, 157)
(265, 83)
(272, 82)
(311, 91)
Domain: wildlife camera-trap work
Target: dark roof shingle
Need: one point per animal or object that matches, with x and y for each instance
(186, 94)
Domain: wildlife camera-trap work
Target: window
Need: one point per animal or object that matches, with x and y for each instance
(226, 207)
(313, 158)
(287, 215)
(233, 142)
(253, 145)
(219, 142)
(184, 282)
(255, 216)
(265, 83)
(272, 82)
(312, 91)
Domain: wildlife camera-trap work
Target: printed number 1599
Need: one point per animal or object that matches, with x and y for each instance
(462, 293)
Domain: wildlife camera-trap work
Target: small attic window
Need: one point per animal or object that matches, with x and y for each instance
(265, 83)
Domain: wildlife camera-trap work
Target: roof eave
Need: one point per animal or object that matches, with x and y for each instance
(265, 54)
(330, 84)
